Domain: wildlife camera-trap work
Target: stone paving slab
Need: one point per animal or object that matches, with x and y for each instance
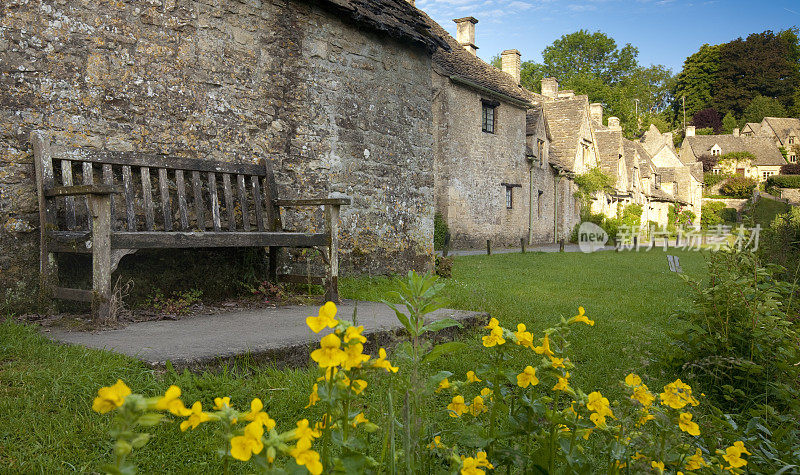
(279, 335)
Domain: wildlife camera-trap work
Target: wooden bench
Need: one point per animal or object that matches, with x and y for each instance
(108, 208)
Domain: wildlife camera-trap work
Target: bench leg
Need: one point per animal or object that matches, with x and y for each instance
(332, 280)
(101, 256)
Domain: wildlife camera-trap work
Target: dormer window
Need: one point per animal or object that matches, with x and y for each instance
(791, 140)
(489, 116)
(716, 151)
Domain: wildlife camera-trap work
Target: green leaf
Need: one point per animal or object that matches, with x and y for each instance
(149, 419)
(443, 349)
(140, 440)
(400, 317)
(440, 325)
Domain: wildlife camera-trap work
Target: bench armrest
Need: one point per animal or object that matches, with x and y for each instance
(77, 190)
(314, 202)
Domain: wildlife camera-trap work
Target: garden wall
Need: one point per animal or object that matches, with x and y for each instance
(336, 108)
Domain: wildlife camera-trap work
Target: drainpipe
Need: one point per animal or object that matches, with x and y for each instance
(555, 207)
(530, 204)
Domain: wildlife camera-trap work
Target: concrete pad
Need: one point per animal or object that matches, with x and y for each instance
(278, 335)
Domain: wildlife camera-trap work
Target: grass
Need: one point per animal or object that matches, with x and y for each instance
(46, 422)
(764, 211)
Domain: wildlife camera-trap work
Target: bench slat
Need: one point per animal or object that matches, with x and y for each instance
(176, 239)
(229, 205)
(88, 179)
(199, 207)
(147, 196)
(127, 183)
(257, 202)
(182, 206)
(166, 205)
(155, 160)
(69, 201)
(108, 179)
(243, 201)
(212, 191)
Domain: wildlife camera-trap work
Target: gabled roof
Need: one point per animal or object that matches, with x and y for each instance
(459, 64)
(657, 194)
(754, 126)
(781, 126)
(646, 166)
(608, 144)
(565, 118)
(629, 151)
(762, 148)
(532, 118)
(397, 18)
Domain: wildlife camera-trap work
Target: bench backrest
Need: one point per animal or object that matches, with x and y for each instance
(161, 193)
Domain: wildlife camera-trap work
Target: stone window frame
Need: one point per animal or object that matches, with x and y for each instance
(510, 193)
(539, 203)
(540, 151)
(489, 124)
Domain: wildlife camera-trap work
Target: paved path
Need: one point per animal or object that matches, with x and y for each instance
(278, 335)
(536, 248)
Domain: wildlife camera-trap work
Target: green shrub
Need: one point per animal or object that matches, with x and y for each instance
(441, 232)
(712, 214)
(590, 183)
(711, 179)
(780, 243)
(704, 131)
(783, 181)
(738, 187)
(729, 215)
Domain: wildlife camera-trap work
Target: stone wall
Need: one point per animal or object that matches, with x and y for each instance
(336, 108)
(542, 188)
(471, 165)
(792, 195)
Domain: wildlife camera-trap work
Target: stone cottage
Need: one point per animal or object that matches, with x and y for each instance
(784, 131)
(336, 93)
(493, 178)
(767, 162)
(679, 175)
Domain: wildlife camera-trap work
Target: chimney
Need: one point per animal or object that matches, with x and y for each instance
(465, 33)
(550, 87)
(511, 63)
(736, 132)
(411, 2)
(566, 94)
(689, 131)
(596, 112)
(613, 123)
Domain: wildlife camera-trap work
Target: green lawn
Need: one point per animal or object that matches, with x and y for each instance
(46, 390)
(765, 210)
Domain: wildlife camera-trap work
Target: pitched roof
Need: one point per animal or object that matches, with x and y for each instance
(458, 63)
(762, 148)
(782, 126)
(565, 117)
(533, 116)
(646, 166)
(629, 150)
(608, 152)
(658, 194)
(754, 126)
(397, 18)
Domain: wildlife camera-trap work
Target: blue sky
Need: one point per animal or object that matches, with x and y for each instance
(665, 31)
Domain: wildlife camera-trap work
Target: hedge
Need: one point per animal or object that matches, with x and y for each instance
(783, 181)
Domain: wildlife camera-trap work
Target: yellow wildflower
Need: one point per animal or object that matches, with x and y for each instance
(633, 380)
(469, 466)
(354, 357)
(524, 337)
(733, 455)
(494, 338)
(257, 415)
(436, 443)
(696, 461)
(677, 395)
(326, 318)
(486, 392)
(382, 362)
(472, 378)
(563, 383)
(557, 362)
(646, 416)
(581, 317)
(171, 402)
(358, 386)
(354, 333)
(598, 419)
(637, 456)
(658, 466)
(493, 323)
(329, 353)
(483, 461)
(643, 395)
(477, 407)
(359, 419)
(457, 406)
(527, 377)
(111, 397)
(545, 348)
(443, 384)
(599, 404)
(304, 456)
(304, 432)
(221, 403)
(196, 417)
(313, 398)
(330, 373)
(244, 446)
(686, 424)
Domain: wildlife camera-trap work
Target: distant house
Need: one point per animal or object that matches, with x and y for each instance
(785, 132)
(767, 159)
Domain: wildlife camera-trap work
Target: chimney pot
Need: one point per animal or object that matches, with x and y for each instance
(596, 112)
(613, 123)
(465, 33)
(511, 64)
(550, 87)
(689, 131)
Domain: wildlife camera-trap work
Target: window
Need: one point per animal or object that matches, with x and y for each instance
(716, 171)
(792, 158)
(767, 174)
(540, 151)
(539, 203)
(791, 140)
(489, 116)
(715, 152)
(509, 197)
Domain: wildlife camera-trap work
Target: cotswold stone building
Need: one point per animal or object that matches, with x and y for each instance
(336, 94)
(784, 132)
(767, 159)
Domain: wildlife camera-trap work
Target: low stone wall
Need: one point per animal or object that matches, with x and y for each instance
(792, 195)
(735, 203)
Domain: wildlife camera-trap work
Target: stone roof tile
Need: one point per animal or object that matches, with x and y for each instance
(565, 117)
(762, 148)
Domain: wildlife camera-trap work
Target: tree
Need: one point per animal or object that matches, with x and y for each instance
(761, 107)
(763, 64)
(695, 82)
(589, 54)
(729, 123)
(707, 118)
